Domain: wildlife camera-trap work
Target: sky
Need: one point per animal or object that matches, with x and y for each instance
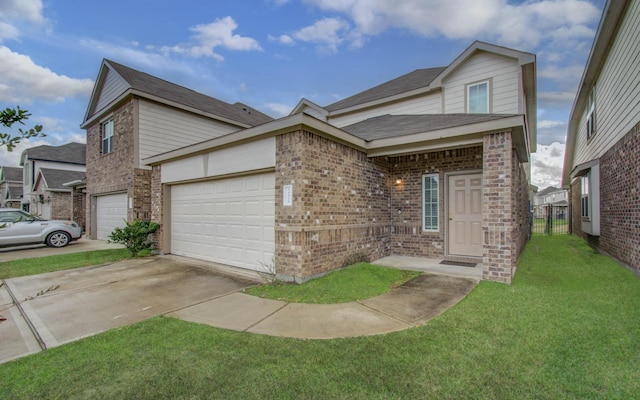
(271, 53)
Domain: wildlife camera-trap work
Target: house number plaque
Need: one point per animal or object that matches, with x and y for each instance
(287, 195)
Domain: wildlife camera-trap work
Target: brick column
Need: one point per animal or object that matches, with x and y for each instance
(157, 206)
(499, 256)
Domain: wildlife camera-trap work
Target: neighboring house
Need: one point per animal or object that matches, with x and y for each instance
(132, 116)
(551, 196)
(602, 158)
(10, 187)
(68, 157)
(432, 164)
(53, 200)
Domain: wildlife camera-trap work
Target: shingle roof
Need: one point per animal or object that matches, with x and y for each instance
(12, 174)
(170, 91)
(70, 153)
(547, 191)
(14, 192)
(414, 80)
(387, 126)
(56, 177)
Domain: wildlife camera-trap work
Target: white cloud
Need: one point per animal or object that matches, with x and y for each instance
(282, 39)
(546, 124)
(278, 109)
(22, 81)
(327, 33)
(8, 31)
(218, 34)
(556, 97)
(25, 10)
(546, 165)
(522, 25)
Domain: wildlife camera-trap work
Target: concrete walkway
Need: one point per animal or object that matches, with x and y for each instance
(409, 305)
(47, 310)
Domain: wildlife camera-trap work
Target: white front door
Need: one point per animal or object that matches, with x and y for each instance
(465, 215)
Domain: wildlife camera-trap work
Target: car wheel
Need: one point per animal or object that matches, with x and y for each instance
(58, 239)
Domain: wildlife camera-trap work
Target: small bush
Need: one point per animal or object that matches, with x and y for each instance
(135, 236)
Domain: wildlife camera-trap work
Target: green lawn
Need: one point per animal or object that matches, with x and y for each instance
(33, 266)
(357, 282)
(568, 327)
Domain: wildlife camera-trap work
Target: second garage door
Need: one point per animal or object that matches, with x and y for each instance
(230, 221)
(111, 212)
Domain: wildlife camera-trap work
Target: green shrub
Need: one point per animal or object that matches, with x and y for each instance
(135, 236)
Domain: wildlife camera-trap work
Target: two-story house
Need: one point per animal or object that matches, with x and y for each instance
(602, 158)
(131, 116)
(551, 196)
(43, 168)
(10, 187)
(432, 164)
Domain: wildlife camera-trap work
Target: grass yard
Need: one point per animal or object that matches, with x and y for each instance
(33, 266)
(357, 282)
(568, 327)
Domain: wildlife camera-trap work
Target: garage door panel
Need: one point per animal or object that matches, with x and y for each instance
(228, 221)
(111, 212)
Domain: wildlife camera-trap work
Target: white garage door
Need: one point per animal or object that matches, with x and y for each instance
(229, 221)
(111, 212)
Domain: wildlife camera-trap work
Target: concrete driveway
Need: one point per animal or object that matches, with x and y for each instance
(67, 305)
(41, 250)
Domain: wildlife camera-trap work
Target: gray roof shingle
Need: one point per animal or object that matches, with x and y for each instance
(70, 153)
(56, 177)
(170, 91)
(413, 80)
(14, 192)
(387, 126)
(12, 174)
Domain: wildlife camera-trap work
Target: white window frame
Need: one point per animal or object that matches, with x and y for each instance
(427, 204)
(106, 136)
(475, 85)
(591, 114)
(585, 202)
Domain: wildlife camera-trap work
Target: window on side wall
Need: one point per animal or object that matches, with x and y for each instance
(478, 98)
(431, 203)
(106, 129)
(584, 198)
(591, 114)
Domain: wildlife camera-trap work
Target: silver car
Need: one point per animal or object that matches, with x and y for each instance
(19, 227)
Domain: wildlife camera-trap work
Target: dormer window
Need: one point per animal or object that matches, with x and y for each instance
(107, 136)
(478, 98)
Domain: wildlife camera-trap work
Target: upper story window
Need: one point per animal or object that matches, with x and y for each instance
(591, 114)
(478, 98)
(106, 129)
(431, 203)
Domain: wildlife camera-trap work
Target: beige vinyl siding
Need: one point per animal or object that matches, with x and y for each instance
(505, 89)
(427, 104)
(113, 87)
(163, 128)
(617, 92)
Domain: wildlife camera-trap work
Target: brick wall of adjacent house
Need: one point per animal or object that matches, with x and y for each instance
(61, 205)
(502, 235)
(619, 201)
(407, 236)
(340, 211)
(79, 199)
(521, 210)
(114, 172)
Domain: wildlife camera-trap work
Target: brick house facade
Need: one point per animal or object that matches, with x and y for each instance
(328, 186)
(602, 157)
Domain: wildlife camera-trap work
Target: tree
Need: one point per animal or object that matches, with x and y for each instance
(10, 116)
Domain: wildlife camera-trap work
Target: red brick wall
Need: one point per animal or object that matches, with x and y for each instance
(500, 249)
(79, 207)
(114, 172)
(407, 237)
(619, 201)
(157, 206)
(340, 210)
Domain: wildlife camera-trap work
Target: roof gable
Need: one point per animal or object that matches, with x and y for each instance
(54, 179)
(11, 174)
(70, 153)
(116, 80)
